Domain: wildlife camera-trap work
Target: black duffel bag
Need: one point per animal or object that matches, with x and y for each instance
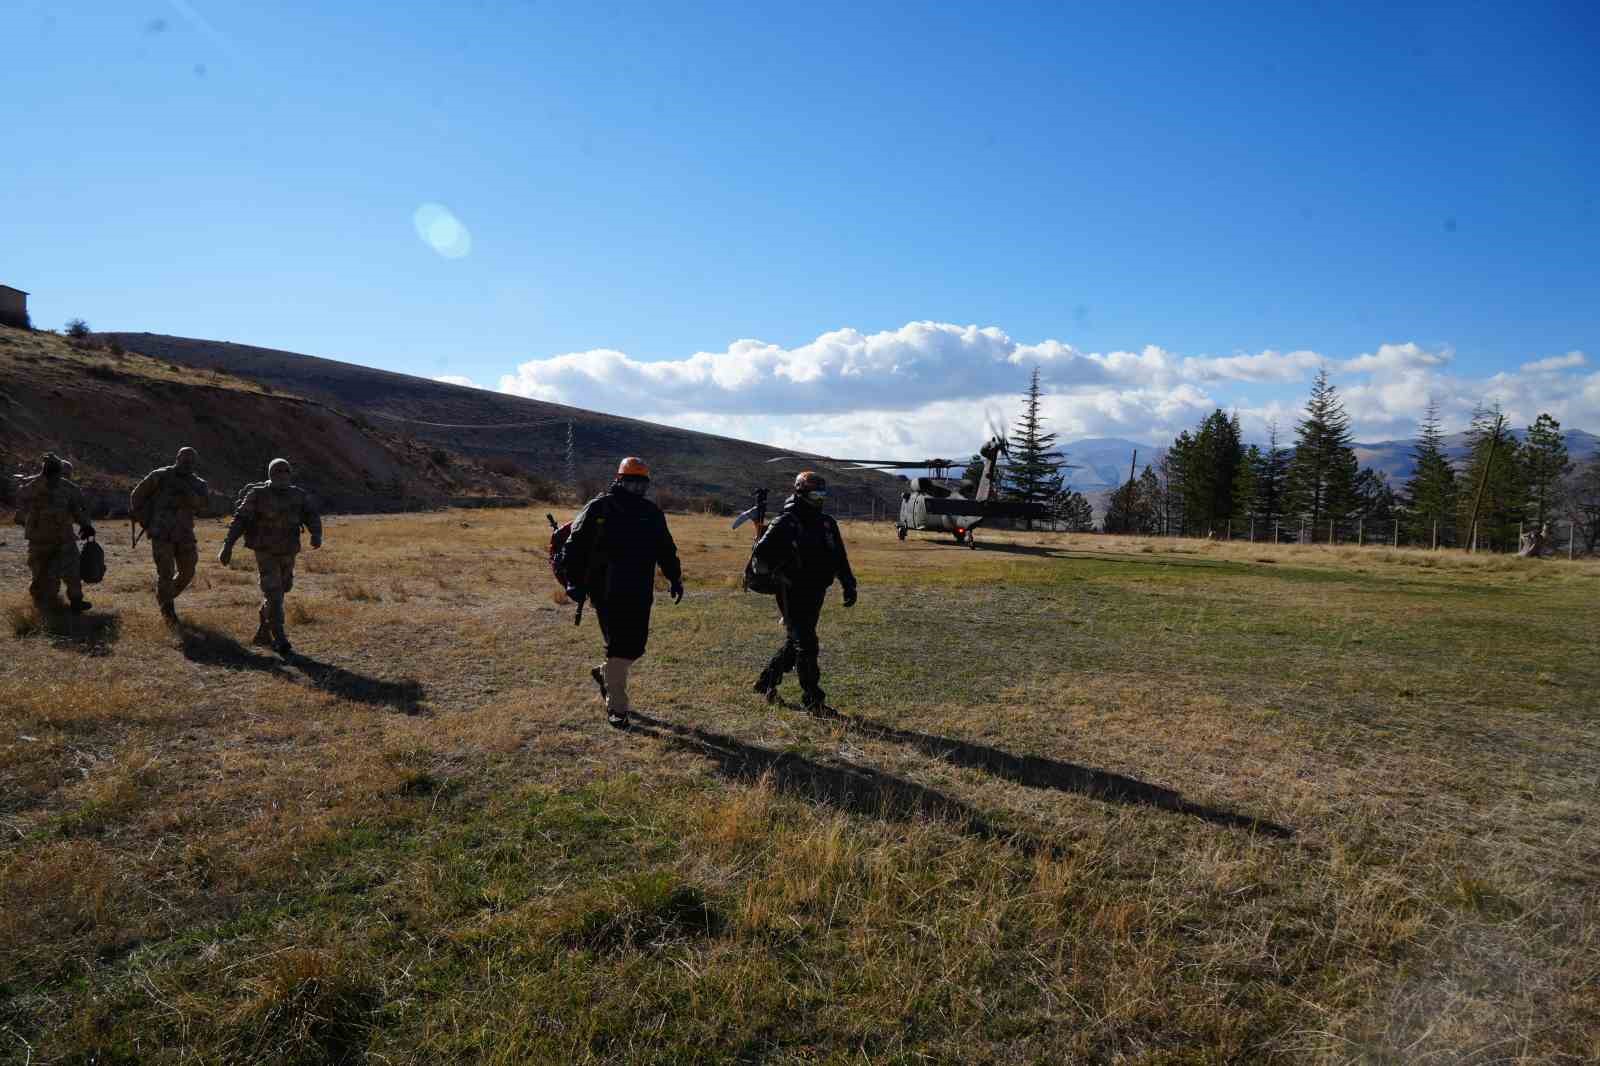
(91, 562)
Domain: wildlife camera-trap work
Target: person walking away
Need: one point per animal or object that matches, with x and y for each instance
(270, 519)
(618, 540)
(165, 503)
(49, 504)
(804, 550)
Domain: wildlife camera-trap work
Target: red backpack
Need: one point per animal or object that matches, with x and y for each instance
(559, 535)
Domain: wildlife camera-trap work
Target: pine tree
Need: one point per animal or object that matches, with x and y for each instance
(1272, 477)
(1176, 467)
(1583, 504)
(1544, 464)
(1074, 511)
(1492, 485)
(1322, 474)
(1211, 464)
(1430, 494)
(1033, 473)
(1148, 512)
(1122, 509)
(1246, 489)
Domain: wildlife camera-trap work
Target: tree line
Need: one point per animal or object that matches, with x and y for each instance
(1210, 483)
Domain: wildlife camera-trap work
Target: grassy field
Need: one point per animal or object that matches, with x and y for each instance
(1092, 800)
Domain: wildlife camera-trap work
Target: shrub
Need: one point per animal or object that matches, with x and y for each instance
(77, 329)
(439, 457)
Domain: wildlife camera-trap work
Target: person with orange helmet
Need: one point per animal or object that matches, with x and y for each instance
(805, 552)
(618, 540)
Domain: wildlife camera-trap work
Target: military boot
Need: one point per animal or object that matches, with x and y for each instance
(766, 685)
(169, 613)
(79, 606)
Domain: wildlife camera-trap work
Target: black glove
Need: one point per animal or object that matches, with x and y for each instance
(677, 592)
(86, 532)
(575, 594)
(850, 596)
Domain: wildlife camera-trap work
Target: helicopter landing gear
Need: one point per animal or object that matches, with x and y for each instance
(900, 532)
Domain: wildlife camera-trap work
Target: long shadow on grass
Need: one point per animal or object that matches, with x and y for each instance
(405, 696)
(855, 789)
(212, 647)
(203, 644)
(1038, 772)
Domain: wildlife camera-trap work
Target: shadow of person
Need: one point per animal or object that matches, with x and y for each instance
(404, 696)
(91, 633)
(212, 647)
(1035, 771)
(857, 789)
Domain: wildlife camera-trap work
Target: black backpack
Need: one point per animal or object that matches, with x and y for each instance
(91, 562)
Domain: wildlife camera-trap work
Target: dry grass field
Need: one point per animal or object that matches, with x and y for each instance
(1091, 800)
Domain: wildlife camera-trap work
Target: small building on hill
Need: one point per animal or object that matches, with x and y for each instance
(13, 307)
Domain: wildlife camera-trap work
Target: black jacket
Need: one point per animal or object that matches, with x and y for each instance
(618, 540)
(803, 546)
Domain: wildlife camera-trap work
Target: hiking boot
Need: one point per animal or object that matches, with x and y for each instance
(80, 606)
(599, 675)
(169, 613)
(767, 687)
(283, 648)
(617, 719)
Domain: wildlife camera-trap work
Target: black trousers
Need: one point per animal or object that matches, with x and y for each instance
(624, 625)
(802, 607)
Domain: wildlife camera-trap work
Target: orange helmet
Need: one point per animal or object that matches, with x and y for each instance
(633, 466)
(810, 481)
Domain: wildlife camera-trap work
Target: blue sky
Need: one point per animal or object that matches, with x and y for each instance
(1156, 190)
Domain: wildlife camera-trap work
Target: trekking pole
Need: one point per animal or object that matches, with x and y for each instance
(577, 619)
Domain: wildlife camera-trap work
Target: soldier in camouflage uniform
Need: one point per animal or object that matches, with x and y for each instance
(48, 505)
(166, 503)
(270, 519)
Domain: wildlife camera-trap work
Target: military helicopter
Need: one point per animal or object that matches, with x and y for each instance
(938, 503)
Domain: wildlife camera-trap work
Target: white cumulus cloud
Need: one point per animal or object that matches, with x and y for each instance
(928, 388)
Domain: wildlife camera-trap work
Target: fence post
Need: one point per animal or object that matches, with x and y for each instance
(1253, 528)
(1397, 532)
(1275, 537)
(1473, 550)
(1361, 532)
(1572, 539)
(1330, 532)
(1435, 534)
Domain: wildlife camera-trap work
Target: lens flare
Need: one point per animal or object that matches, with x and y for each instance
(442, 231)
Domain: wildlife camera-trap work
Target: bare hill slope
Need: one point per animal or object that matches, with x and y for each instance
(118, 416)
(534, 433)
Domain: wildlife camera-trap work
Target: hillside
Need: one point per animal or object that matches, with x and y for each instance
(531, 434)
(117, 416)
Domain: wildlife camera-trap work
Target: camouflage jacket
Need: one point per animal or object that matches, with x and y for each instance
(166, 503)
(49, 508)
(271, 518)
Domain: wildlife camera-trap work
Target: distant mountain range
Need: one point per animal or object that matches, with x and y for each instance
(1102, 462)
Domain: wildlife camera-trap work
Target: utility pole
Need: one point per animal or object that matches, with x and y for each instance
(1488, 464)
(572, 458)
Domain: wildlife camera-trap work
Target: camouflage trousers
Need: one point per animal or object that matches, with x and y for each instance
(277, 578)
(50, 565)
(175, 565)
